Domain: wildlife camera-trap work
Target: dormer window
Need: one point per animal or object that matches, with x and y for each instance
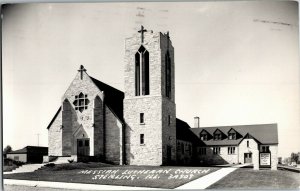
(231, 136)
(217, 136)
(203, 137)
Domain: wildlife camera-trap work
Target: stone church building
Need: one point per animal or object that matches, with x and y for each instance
(138, 126)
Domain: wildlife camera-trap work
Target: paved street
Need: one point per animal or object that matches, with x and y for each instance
(29, 188)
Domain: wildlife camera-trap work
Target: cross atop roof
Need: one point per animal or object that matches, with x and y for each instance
(142, 33)
(81, 70)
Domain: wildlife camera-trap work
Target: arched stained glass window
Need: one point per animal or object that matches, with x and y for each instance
(142, 72)
(168, 74)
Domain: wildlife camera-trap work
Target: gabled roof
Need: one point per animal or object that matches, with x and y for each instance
(54, 117)
(113, 98)
(264, 133)
(184, 133)
(204, 131)
(231, 129)
(218, 130)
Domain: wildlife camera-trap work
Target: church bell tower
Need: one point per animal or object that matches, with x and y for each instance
(149, 103)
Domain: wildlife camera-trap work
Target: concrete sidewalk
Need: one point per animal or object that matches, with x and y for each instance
(26, 168)
(75, 186)
(206, 181)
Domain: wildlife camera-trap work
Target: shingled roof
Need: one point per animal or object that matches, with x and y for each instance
(184, 133)
(27, 148)
(113, 98)
(263, 133)
(54, 117)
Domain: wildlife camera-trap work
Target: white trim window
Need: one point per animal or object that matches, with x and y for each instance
(216, 150)
(231, 150)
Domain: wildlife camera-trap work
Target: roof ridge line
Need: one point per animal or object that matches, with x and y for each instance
(106, 84)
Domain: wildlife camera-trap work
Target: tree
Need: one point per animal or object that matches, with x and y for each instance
(7, 149)
(295, 157)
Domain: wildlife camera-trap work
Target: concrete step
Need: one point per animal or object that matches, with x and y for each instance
(27, 168)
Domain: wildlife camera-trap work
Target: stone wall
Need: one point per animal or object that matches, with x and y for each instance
(168, 104)
(72, 124)
(68, 116)
(55, 136)
(113, 138)
(274, 158)
(158, 134)
(152, 44)
(166, 45)
(222, 158)
(99, 126)
(149, 153)
(253, 148)
(168, 130)
(185, 156)
(84, 118)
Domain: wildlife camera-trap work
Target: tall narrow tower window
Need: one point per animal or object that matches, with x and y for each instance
(142, 118)
(137, 74)
(142, 141)
(168, 74)
(142, 72)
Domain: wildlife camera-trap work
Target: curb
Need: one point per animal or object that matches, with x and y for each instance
(76, 186)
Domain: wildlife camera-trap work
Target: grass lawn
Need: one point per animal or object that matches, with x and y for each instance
(246, 178)
(95, 173)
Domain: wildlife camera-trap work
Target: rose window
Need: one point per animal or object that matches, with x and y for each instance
(81, 102)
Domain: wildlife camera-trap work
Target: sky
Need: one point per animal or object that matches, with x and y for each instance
(236, 63)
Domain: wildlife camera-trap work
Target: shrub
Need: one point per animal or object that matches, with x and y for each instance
(18, 163)
(8, 162)
(71, 160)
(50, 165)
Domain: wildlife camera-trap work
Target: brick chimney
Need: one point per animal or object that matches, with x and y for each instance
(196, 122)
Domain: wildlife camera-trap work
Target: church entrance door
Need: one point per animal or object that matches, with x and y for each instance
(247, 157)
(83, 147)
